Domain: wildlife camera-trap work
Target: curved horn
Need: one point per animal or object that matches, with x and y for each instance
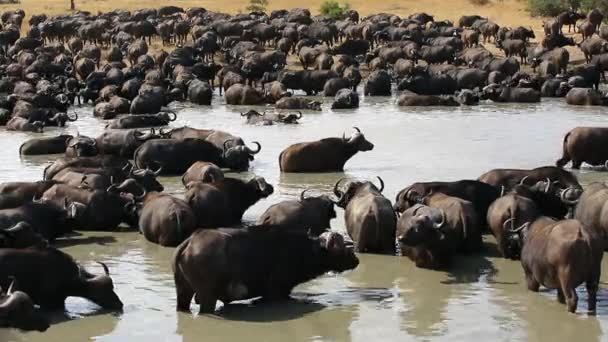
(14, 228)
(565, 200)
(344, 136)
(357, 129)
(163, 133)
(243, 114)
(300, 116)
(11, 286)
(105, 268)
(337, 192)
(302, 194)
(443, 219)
(174, 115)
(520, 228)
(510, 220)
(381, 183)
(258, 150)
(523, 180)
(548, 185)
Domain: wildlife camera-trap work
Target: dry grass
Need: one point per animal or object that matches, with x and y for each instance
(505, 13)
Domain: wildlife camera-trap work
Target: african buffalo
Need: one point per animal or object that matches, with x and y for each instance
(369, 216)
(166, 220)
(200, 264)
(306, 214)
(57, 277)
(562, 255)
(201, 171)
(504, 215)
(325, 155)
(142, 120)
(52, 145)
(506, 179)
(431, 233)
(584, 144)
(223, 202)
(480, 194)
(17, 311)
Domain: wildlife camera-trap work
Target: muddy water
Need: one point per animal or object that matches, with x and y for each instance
(385, 298)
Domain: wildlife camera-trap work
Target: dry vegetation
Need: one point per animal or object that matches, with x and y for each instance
(504, 12)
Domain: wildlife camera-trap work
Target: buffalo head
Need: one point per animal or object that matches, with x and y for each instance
(353, 188)
(237, 157)
(146, 178)
(81, 146)
(289, 118)
(99, 289)
(423, 227)
(340, 255)
(262, 188)
(357, 141)
(515, 238)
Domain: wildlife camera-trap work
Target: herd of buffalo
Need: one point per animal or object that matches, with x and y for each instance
(541, 216)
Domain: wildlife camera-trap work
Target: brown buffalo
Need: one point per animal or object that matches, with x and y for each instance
(325, 155)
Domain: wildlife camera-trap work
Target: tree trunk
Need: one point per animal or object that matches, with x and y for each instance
(72, 6)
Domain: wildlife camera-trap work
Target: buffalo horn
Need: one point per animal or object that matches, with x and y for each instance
(256, 151)
(299, 115)
(105, 268)
(565, 200)
(337, 192)
(443, 219)
(169, 113)
(15, 228)
(357, 129)
(548, 185)
(520, 228)
(302, 194)
(381, 183)
(11, 286)
(523, 180)
(510, 220)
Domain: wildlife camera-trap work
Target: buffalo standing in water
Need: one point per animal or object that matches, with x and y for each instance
(562, 255)
(306, 213)
(263, 261)
(585, 144)
(325, 155)
(370, 219)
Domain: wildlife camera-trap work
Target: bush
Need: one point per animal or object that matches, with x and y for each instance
(588, 5)
(332, 9)
(548, 8)
(257, 5)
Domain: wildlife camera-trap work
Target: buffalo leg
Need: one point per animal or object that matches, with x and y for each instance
(592, 287)
(560, 296)
(568, 290)
(184, 291)
(532, 284)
